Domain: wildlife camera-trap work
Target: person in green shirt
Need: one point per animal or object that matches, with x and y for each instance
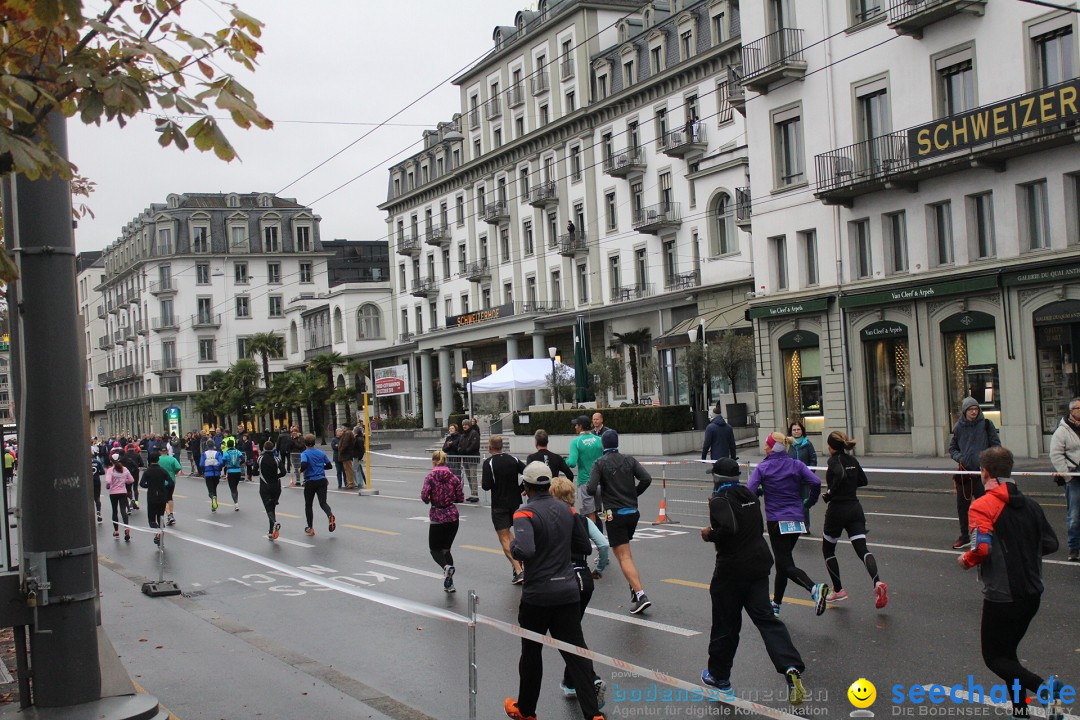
(171, 465)
(584, 450)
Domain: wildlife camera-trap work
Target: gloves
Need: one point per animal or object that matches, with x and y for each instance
(826, 497)
(1060, 480)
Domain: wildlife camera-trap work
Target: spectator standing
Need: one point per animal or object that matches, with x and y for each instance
(719, 440)
(598, 426)
(1009, 537)
(359, 450)
(469, 448)
(972, 434)
(335, 446)
(501, 477)
(619, 480)
(1065, 455)
(450, 447)
(442, 488)
(802, 450)
(346, 454)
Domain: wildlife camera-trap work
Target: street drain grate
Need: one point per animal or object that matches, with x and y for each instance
(194, 593)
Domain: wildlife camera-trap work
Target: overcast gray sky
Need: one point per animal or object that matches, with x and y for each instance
(325, 61)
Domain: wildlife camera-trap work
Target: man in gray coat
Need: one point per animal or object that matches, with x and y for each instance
(1065, 456)
(972, 434)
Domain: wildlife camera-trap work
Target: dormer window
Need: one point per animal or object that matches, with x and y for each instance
(173, 201)
(232, 200)
(264, 201)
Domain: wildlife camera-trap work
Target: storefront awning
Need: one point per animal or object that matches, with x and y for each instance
(715, 321)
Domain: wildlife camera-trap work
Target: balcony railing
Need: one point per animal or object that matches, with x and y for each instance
(477, 271)
(406, 337)
(168, 365)
(117, 335)
(540, 82)
(474, 119)
(864, 162)
(313, 352)
(777, 55)
(101, 312)
(680, 143)
(493, 108)
(162, 287)
(625, 163)
(566, 68)
(437, 235)
(536, 306)
(424, 287)
(141, 327)
(407, 245)
(909, 17)
(105, 342)
(683, 281)
(653, 218)
(129, 332)
(544, 194)
(133, 298)
(105, 378)
(206, 320)
(515, 95)
(571, 244)
(495, 213)
(744, 209)
(632, 292)
(736, 94)
(165, 323)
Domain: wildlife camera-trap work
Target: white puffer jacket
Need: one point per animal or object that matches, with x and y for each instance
(1065, 449)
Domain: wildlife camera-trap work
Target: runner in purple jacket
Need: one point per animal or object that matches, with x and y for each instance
(442, 488)
(781, 479)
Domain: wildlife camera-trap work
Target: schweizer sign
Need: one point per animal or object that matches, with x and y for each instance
(393, 380)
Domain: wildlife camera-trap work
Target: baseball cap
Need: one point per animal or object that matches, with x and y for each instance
(726, 468)
(537, 473)
(583, 421)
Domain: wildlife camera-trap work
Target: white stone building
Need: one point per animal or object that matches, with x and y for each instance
(915, 182)
(90, 273)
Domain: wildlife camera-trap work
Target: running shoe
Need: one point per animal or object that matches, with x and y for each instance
(797, 692)
(99, 517)
(116, 534)
(333, 522)
(157, 539)
(134, 505)
(519, 578)
(961, 542)
(171, 521)
(820, 594)
(1074, 554)
(601, 692)
(724, 686)
(641, 602)
(1055, 708)
(510, 706)
(448, 579)
(775, 609)
(567, 691)
(309, 531)
(236, 507)
(127, 536)
(277, 531)
(836, 596)
(881, 595)
(472, 499)
(213, 504)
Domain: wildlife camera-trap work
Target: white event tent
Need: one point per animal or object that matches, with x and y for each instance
(519, 375)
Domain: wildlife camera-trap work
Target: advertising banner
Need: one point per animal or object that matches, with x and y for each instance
(393, 380)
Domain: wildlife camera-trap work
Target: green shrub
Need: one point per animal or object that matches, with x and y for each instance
(642, 419)
(401, 422)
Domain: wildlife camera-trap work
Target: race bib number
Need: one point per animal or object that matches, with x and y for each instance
(788, 527)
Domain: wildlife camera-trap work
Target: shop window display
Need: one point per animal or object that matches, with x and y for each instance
(1057, 340)
(802, 378)
(888, 377)
(971, 363)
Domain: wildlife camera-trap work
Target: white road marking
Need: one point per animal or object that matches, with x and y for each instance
(642, 623)
(929, 550)
(1033, 708)
(919, 517)
(404, 568)
(294, 542)
(212, 522)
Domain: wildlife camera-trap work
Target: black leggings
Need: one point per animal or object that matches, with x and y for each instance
(440, 539)
(119, 502)
(1003, 627)
(212, 484)
(270, 500)
(154, 513)
(234, 484)
(311, 490)
(828, 549)
(782, 547)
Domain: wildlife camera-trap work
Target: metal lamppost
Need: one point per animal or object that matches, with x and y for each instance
(468, 385)
(693, 333)
(554, 378)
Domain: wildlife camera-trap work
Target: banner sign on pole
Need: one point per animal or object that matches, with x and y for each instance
(393, 380)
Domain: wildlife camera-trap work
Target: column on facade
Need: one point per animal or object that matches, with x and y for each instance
(446, 383)
(539, 351)
(305, 421)
(516, 400)
(427, 385)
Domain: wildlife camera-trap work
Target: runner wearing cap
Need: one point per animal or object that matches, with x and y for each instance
(585, 449)
(545, 537)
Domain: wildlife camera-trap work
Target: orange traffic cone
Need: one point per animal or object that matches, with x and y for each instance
(663, 518)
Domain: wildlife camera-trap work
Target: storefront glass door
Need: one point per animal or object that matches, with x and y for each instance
(1057, 340)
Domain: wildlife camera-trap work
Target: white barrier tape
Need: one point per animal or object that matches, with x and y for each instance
(401, 457)
(695, 692)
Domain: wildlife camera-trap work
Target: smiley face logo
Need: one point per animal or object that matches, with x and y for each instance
(862, 693)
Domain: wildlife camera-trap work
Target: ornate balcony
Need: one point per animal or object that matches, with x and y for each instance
(909, 17)
(437, 235)
(654, 218)
(540, 82)
(515, 95)
(202, 321)
(407, 245)
(774, 57)
(162, 287)
(683, 142)
(573, 244)
(493, 108)
(544, 194)
(683, 281)
(425, 287)
(495, 213)
(744, 209)
(626, 163)
(168, 366)
(165, 324)
(477, 271)
(632, 292)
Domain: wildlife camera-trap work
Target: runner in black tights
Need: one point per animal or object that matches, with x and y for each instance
(845, 514)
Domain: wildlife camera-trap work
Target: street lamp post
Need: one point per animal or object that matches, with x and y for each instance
(554, 379)
(468, 384)
(693, 333)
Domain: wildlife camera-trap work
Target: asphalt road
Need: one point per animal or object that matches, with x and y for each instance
(395, 661)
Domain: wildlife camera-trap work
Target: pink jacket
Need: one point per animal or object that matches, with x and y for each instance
(442, 488)
(117, 481)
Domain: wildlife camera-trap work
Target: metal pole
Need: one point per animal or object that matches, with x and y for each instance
(56, 528)
(367, 445)
(472, 654)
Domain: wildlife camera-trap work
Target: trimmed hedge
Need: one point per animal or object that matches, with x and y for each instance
(641, 419)
(455, 419)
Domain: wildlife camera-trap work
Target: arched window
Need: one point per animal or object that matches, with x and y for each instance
(369, 322)
(294, 341)
(722, 236)
(338, 329)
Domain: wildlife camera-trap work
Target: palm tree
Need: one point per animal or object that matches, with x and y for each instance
(310, 389)
(283, 395)
(212, 400)
(323, 364)
(268, 345)
(243, 379)
(632, 340)
(357, 370)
